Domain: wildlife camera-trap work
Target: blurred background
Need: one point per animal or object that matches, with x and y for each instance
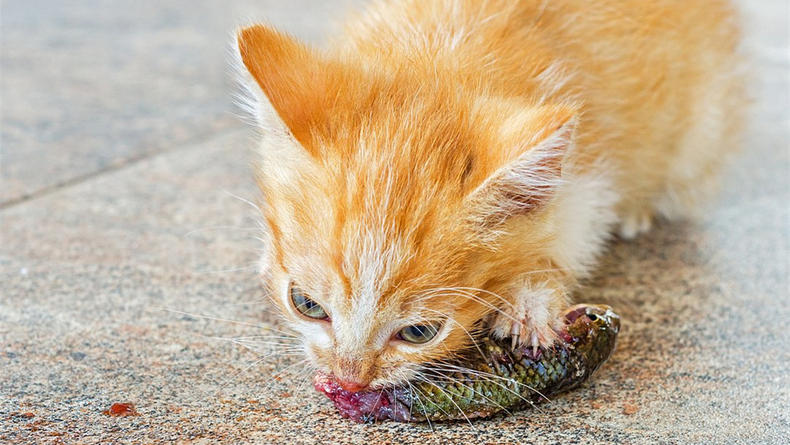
(127, 249)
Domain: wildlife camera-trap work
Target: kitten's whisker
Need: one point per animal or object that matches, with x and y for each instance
(244, 200)
(458, 381)
(247, 342)
(296, 352)
(277, 377)
(208, 317)
(424, 410)
(264, 337)
(474, 341)
(465, 290)
(510, 390)
(206, 229)
(449, 292)
(244, 303)
(485, 378)
(290, 334)
(422, 395)
(267, 346)
(481, 301)
(493, 294)
(456, 368)
(228, 380)
(428, 381)
(444, 291)
(252, 266)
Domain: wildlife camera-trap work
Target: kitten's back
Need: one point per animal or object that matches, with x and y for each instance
(656, 80)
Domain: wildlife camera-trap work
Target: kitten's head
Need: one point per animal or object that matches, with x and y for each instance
(393, 203)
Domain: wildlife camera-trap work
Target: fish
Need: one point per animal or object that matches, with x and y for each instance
(491, 378)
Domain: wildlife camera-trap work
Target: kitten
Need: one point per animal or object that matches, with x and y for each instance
(447, 166)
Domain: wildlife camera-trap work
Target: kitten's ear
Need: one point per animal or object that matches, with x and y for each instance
(535, 142)
(284, 76)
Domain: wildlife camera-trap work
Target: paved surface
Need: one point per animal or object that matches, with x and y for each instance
(126, 246)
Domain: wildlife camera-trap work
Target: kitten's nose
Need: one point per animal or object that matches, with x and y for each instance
(351, 386)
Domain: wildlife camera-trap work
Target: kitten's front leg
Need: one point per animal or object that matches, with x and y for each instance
(532, 315)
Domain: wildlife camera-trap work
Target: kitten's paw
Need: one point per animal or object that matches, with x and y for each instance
(635, 224)
(530, 321)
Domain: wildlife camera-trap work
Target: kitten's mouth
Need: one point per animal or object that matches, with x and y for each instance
(363, 406)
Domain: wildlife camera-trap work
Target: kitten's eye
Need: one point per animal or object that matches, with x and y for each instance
(305, 305)
(419, 333)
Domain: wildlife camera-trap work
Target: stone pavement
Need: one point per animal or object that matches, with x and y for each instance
(127, 251)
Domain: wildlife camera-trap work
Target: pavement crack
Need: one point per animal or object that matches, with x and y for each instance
(120, 165)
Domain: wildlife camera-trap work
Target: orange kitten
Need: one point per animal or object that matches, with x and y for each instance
(452, 165)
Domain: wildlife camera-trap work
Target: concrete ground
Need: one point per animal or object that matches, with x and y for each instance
(127, 250)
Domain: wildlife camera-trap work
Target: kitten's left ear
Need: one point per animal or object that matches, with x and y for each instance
(535, 142)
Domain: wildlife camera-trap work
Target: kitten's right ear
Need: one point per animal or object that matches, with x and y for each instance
(284, 77)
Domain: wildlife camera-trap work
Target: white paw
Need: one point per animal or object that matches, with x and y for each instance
(635, 224)
(530, 320)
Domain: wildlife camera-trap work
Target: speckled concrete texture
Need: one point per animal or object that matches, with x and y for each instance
(92, 85)
(127, 249)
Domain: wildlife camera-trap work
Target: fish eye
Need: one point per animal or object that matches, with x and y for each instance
(305, 305)
(419, 333)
